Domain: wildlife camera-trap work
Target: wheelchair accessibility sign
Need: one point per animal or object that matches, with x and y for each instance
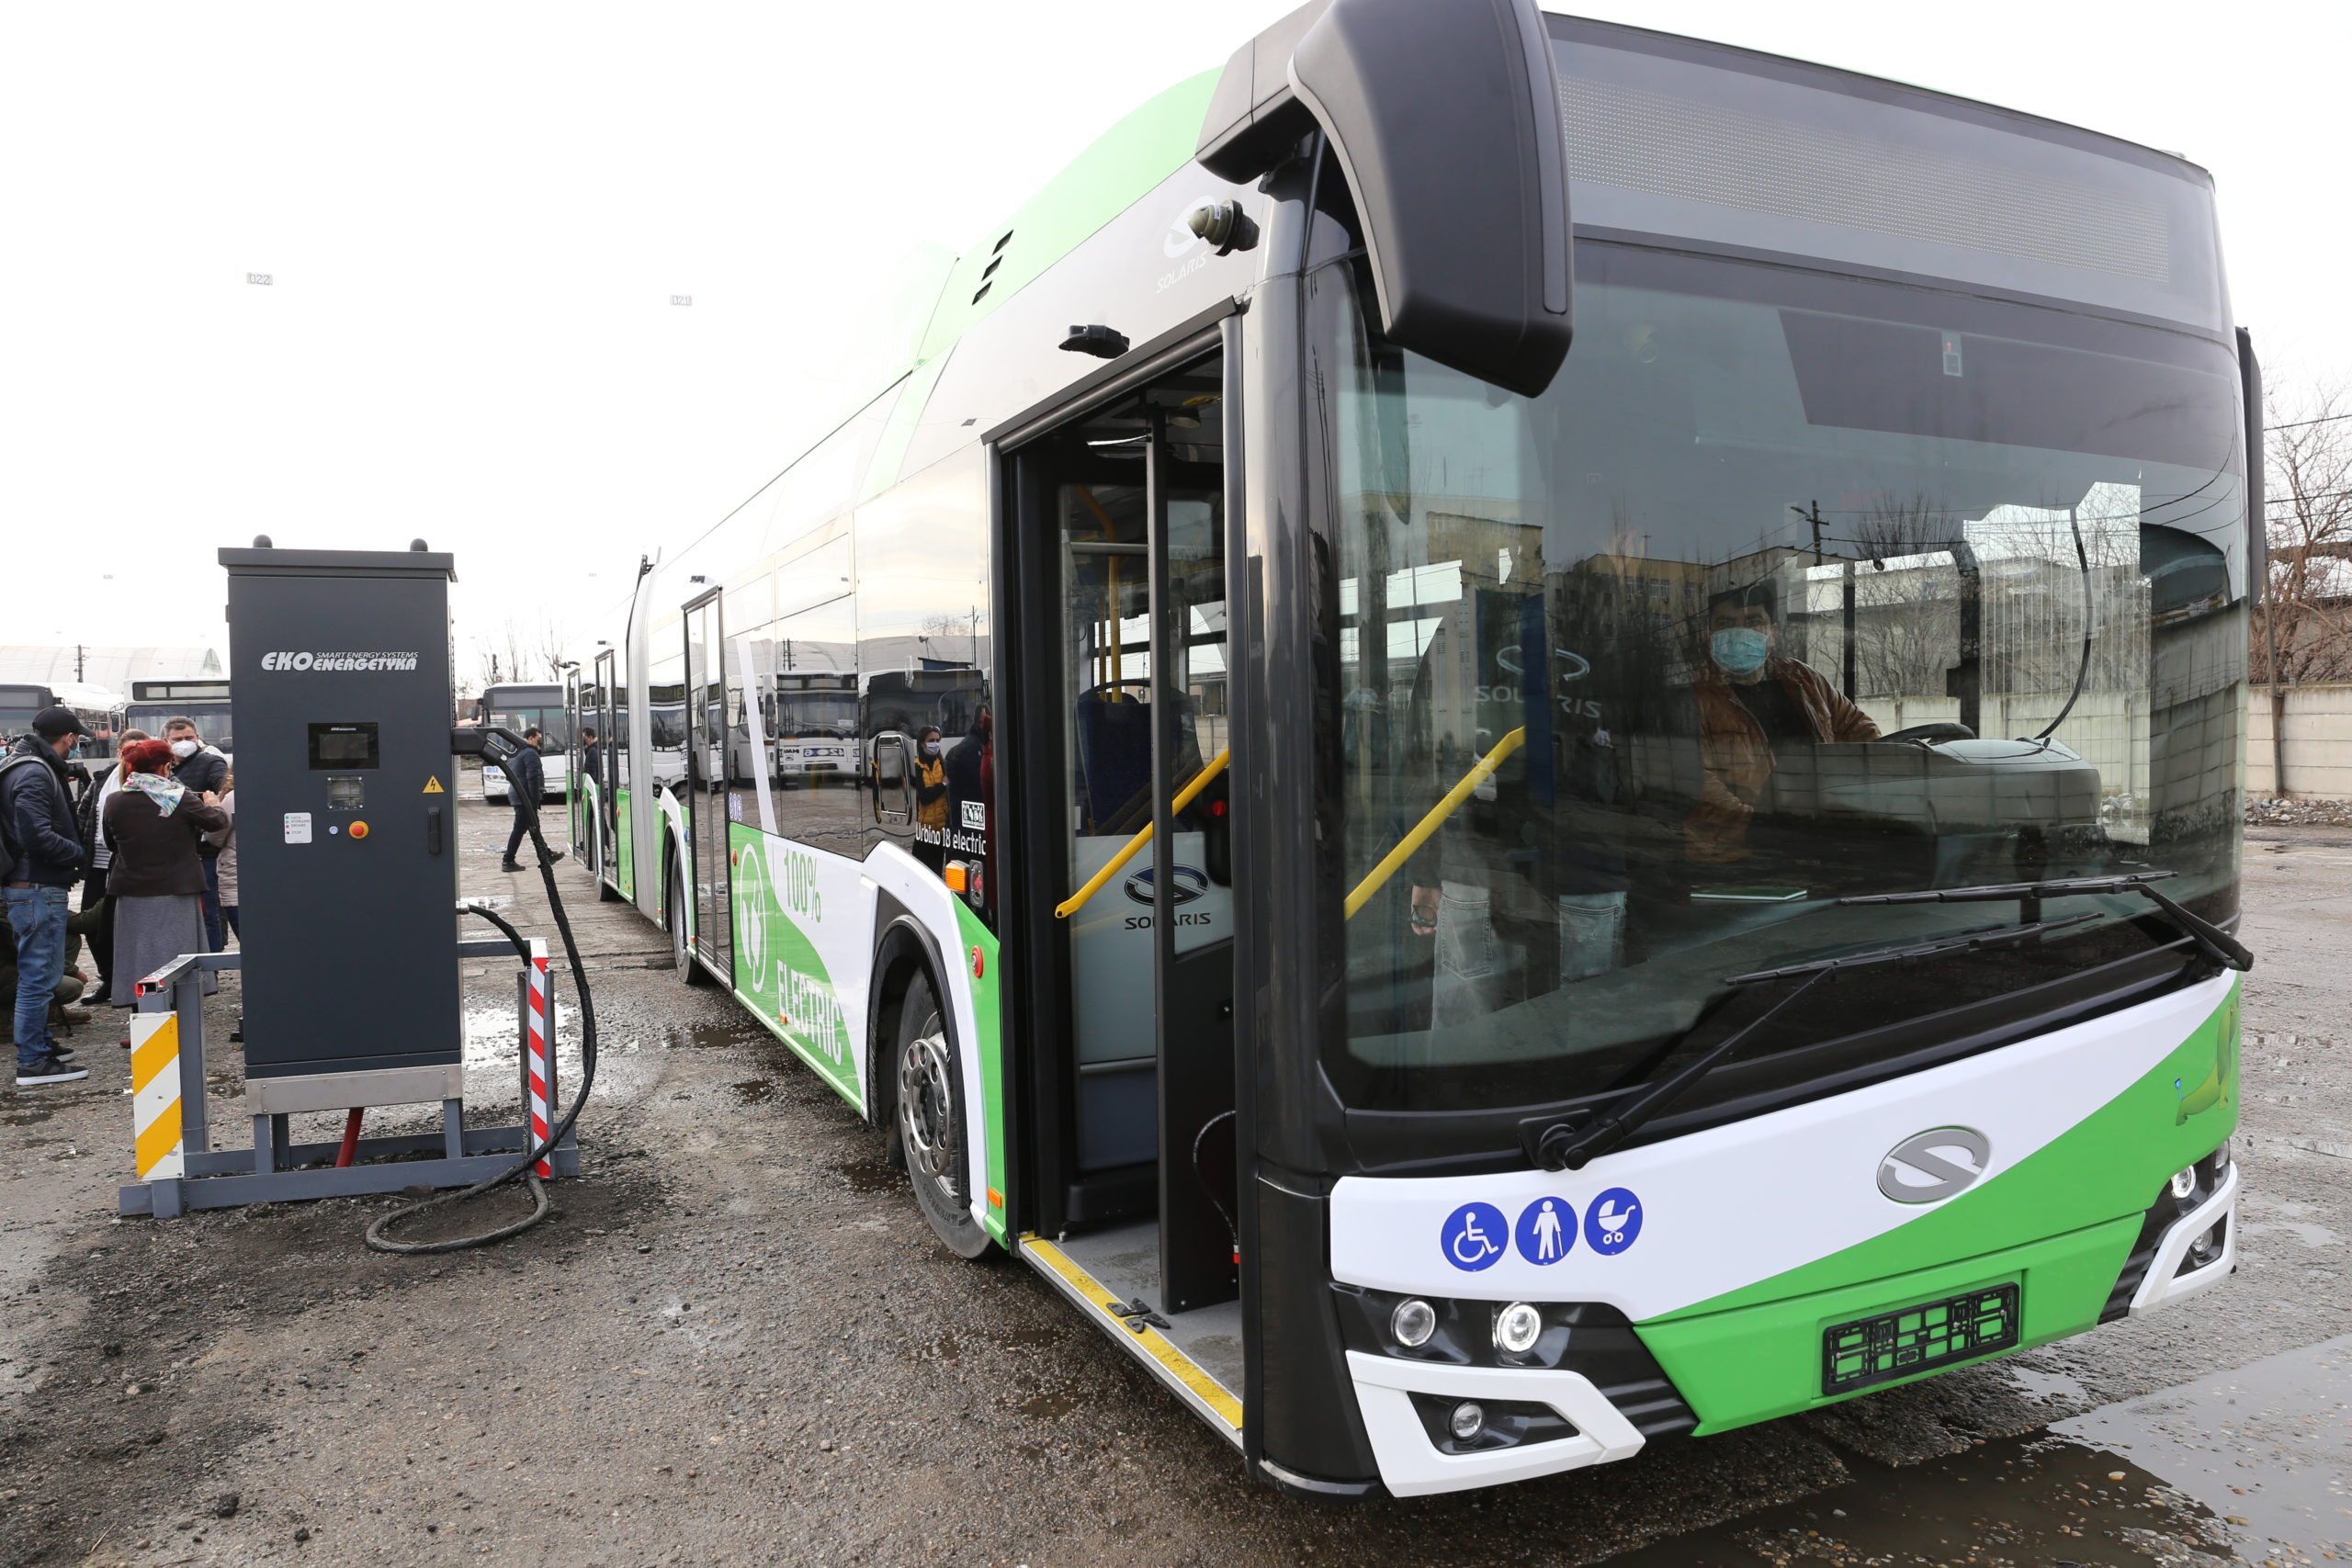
(1474, 1236)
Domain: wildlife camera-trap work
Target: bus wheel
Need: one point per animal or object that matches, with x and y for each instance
(682, 946)
(930, 1121)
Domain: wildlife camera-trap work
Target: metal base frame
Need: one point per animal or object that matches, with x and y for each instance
(278, 1171)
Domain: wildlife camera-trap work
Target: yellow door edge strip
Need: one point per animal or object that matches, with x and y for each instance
(1378, 876)
(1184, 797)
(1178, 1365)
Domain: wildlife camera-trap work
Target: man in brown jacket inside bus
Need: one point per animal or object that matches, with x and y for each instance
(1750, 698)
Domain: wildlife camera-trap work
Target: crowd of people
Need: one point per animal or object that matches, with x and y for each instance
(150, 843)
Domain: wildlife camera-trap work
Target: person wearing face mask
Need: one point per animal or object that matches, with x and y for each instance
(930, 798)
(42, 856)
(1750, 698)
(203, 769)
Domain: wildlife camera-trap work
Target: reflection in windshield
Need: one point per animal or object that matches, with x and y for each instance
(1751, 641)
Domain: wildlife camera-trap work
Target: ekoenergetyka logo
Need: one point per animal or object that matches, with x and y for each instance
(335, 660)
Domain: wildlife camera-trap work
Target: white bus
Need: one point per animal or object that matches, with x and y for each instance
(1478, 902)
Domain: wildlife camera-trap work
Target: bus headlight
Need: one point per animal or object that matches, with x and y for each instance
(1517, 1328)
(1467, 1421)
(1412, 1323)
(2184, 1182)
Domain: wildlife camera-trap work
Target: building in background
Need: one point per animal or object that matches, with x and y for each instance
(111, 668)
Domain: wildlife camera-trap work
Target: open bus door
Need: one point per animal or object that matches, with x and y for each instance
(1119, 539)
(604, 769)
(705, 788)
(574, 807)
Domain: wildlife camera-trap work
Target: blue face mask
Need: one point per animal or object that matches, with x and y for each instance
(1741, 650)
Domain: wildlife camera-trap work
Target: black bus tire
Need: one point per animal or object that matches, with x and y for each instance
(682, 946)
(928, 1120)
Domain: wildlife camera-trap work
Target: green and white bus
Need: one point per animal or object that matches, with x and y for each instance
(1478, 901)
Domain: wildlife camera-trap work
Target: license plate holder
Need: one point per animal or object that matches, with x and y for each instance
(1891, 1346)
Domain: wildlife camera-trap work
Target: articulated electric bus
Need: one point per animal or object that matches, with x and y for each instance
(1517, 738)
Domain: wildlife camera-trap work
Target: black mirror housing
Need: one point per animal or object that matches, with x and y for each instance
(1445, 116)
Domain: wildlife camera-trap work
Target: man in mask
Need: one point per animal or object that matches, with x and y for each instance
(202, 768)
(1750, 699)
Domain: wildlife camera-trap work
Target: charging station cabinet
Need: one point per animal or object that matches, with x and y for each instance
(346, 827)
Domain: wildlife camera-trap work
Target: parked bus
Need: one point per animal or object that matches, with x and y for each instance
(154, 703)
(1474, 905)
(518, 708)
(100, 711)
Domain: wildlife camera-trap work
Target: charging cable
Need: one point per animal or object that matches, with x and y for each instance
(540, 1206)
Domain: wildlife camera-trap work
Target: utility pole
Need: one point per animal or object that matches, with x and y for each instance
(1812, 517)
(78, 676)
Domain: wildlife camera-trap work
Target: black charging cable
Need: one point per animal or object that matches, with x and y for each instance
(540, 1205)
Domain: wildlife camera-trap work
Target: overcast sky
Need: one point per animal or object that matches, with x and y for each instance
(475, 217)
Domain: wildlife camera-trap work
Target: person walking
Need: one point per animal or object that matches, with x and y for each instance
(157, 877)
(94, 885)
(203, 769)
(43, 849)
(526, 781)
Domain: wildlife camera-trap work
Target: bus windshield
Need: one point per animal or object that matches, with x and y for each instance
(1794, 586)
(211, 721)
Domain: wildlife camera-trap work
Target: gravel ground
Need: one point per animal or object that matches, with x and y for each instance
(737, 1342)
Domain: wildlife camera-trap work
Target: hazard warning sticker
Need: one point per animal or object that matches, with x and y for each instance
(433, 785)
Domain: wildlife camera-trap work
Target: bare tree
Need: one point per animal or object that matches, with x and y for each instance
(2305, 622)
(520, 651)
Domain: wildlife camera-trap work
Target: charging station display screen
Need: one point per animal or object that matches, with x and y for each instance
(343, 746)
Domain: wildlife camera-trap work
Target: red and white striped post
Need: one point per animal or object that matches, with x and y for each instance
(538, 1057)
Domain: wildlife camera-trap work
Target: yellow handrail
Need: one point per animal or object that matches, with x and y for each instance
(1378, 876)
(1184, 797)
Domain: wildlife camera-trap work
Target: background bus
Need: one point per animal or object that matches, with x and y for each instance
(518, 708)
(100, 711)
(1401, 780)
(155, 703)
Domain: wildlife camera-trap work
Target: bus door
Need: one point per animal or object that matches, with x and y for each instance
(608, 742)
(1132, 504)
(574, 808)
(705, 786)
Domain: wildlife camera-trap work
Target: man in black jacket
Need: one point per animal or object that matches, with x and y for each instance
(203, 769)
(45, 855)
(526, 781)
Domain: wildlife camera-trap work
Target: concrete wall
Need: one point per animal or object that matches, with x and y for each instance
(2318, 738)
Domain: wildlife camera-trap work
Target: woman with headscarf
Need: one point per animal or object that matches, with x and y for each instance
(156, 879)
(94, 885)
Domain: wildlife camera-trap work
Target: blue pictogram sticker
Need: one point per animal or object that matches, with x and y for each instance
(1474, 1236)
(1613, 1222)
(1547, 1230)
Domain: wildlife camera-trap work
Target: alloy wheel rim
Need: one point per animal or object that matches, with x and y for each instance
(927, 1110)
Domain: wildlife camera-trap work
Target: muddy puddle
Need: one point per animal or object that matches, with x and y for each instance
(708, 1037)
(2249, 1466)
(868, 1175)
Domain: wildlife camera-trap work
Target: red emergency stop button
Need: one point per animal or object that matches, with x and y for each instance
(359, 829)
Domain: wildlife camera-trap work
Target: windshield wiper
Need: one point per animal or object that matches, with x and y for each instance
(2210, 939)
(1571, 1147)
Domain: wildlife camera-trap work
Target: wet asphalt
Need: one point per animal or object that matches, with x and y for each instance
(736, 1342)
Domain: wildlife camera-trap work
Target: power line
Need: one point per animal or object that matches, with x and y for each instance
(2298, 424)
